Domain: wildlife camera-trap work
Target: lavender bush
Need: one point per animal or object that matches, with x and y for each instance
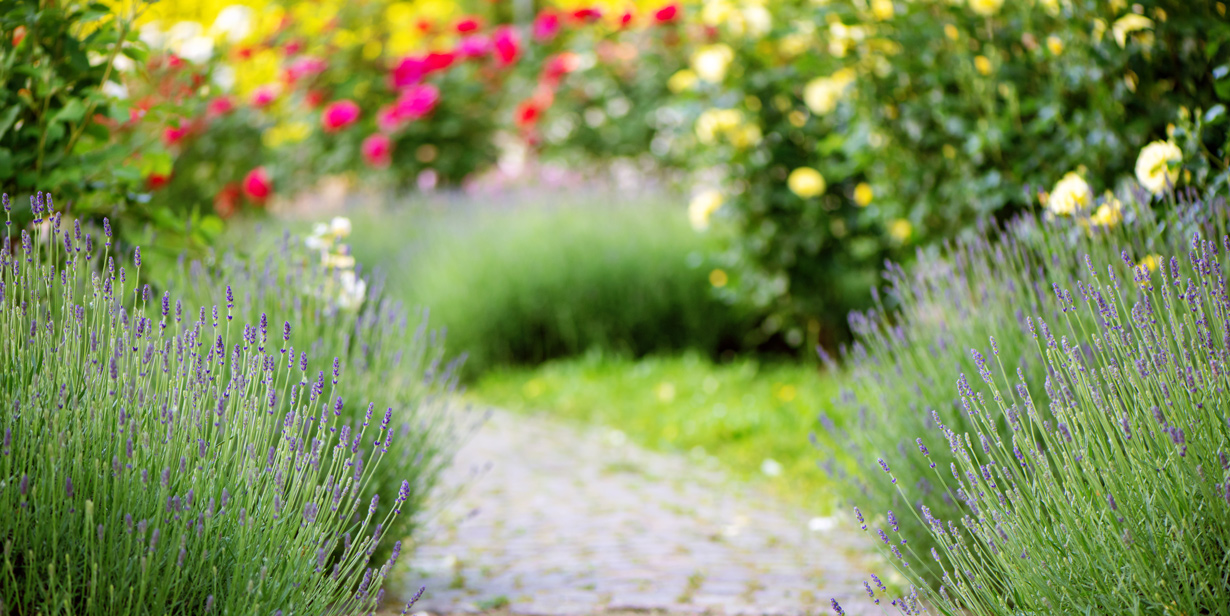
(344, 325)
(1082, 465)
(164, 457)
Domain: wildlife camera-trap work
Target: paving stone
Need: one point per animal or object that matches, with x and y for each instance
(574, 520)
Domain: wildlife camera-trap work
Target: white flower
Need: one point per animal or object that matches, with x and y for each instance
(703, 206)
(197, 50)
(320, 238)
(1072, 193)
(758, 20)
(353, 290)
(233, 22)
(711, 61)
(1157, 165)
(115, 90)
(340, 226)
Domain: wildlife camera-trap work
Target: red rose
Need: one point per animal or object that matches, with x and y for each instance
(339, 115)
(257, 185)
(157, 180)
(377, 151)
(438, 61)
(507, 45)
(667, 13)
(19, 35)
(468, 24)
(528, 113)
(314, 98)
(226, 201)
(626, 19)
(293, 47)
(587, 15)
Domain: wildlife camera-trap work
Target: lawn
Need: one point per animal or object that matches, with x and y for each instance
(754, 418)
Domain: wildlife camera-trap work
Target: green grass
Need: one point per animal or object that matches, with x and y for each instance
(743, 413)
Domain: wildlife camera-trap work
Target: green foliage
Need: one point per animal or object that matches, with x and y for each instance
(158, 458)
(924, 117)
(55, 60)
(532, 283)
(744, 414)
(1015, 311)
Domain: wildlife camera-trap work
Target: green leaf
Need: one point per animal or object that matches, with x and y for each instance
(7, 118)
(72, 112)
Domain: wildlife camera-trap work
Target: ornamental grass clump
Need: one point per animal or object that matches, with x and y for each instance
(172, 460)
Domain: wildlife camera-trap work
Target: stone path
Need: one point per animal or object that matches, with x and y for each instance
(570, 521)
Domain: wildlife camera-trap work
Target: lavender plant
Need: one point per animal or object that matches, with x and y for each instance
(1111, 494)
(980, 293)
(344, 325)
(177, 461)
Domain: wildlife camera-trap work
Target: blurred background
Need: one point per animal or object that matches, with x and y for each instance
(641, 214)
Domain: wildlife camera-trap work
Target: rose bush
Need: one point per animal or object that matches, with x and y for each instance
(923, 117)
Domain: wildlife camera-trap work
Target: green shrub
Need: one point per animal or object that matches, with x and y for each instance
(529, 283)
(157, 458)
(923, 117)
(976, 309)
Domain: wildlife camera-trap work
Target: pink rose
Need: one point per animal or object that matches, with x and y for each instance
(339, 115)
(417, 102)
(409, 71)
(257, 185)
(263, 96)
(377, 151)
(546, 26)
(473, 46)
(507, 45)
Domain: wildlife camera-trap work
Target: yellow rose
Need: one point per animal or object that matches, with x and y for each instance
(822, 94)
(711, 61)
(682, 81)
(982, 64)
(1109, 214)
(863, 194)
(882, 10)
(985, 7)
(1128, 24)
(1151, 262)
(703, 206)
(806, 182)
(900, 229)
(1157, 165)
(1054, 44)
(1070, 194)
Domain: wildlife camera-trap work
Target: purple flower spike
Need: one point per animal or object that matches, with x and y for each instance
(68, 486)
(859, 514)
(375, 501)
(837, 607)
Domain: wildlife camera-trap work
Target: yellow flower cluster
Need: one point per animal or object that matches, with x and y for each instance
(822, 94)
(1158, 165)
(1070, 195)
(730, 124)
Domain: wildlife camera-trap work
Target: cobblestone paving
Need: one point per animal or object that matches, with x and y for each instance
(578, 521)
